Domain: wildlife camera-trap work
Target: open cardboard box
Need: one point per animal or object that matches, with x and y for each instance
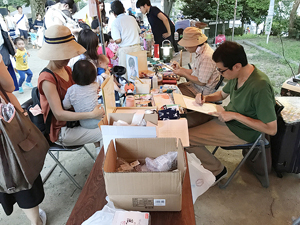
(144, 191)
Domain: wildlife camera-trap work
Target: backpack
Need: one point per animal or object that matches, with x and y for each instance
(38, 120)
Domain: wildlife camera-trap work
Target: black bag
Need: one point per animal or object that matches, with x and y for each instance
(7, 42)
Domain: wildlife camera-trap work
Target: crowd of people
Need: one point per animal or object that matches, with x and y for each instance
(77, 68)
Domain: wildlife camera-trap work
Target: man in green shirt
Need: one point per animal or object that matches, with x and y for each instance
(251, 109)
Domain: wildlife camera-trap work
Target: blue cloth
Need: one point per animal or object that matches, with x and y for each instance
(182, 24)
(33, 36)
(13, 75)
(100, 71)
(22, 76)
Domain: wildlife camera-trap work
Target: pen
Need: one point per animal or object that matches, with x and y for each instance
(202, 95)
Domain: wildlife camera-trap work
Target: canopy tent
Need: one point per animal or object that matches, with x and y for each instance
(26, 11)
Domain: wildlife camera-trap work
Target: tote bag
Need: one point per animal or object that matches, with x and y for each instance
(23, 149)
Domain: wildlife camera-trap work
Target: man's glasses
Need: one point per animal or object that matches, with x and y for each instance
(222, 71)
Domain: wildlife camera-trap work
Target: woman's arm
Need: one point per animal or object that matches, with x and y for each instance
(60, 114)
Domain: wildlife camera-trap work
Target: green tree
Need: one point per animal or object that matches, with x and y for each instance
(282, 11)
(259, 10)
(293, 15)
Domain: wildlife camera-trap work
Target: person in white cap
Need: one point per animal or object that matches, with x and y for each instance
(203, 77)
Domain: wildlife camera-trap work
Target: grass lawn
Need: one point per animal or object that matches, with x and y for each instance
(277, 69)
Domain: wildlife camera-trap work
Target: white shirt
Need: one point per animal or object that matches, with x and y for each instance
(53, 16)
(126, 28)
(22, 24)
(10, 22)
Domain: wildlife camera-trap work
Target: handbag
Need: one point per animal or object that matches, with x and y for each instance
(7, 42)
(23, 149)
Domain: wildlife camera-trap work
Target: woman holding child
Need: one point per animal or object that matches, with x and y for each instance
(59, 48)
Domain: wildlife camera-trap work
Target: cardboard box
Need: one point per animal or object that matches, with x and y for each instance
(144, 191)
(131, 218)
(110, 132)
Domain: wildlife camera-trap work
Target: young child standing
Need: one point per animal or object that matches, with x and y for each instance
(103, 73)
(33, 38)
(83, 96)
(111, 55)
(114, 48)
(22, 64)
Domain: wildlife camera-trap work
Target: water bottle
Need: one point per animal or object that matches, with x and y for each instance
(176, 36)
(154, 82)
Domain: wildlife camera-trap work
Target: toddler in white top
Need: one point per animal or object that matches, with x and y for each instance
(83, 96)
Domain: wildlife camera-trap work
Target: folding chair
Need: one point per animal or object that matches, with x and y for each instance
(261, 143)
(54, 147)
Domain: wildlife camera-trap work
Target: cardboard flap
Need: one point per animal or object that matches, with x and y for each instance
(110, 159)
(108, 93)
(181, 160)
(178, 99)
(127, 117)
(158, 147)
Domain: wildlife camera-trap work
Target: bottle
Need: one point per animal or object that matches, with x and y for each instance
(176, 36)
(154, 82)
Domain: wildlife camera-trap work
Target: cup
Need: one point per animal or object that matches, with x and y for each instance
(130, 101)
(156, 50)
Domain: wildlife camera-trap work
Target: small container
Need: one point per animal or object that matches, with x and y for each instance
(176, 36)
(154, 82)
(156, 50)
(130, 101)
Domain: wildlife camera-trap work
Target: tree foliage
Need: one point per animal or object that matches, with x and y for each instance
(15, 3)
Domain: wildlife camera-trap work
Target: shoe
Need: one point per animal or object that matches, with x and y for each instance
(43, 216)
(21, 90)
(220, 176)
(29, 85)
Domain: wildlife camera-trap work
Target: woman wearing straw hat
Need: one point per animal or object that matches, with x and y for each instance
(203, 77)
(59, 48)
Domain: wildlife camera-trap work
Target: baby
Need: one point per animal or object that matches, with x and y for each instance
(83, 96)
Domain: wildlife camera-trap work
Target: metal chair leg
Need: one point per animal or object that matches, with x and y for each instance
(215, 150)
(64, 170)
(89, 153)
(239, 166)
(263, 179)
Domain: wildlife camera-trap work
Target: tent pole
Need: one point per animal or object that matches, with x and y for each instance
(100, 28)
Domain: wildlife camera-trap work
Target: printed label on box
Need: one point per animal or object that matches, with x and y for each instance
(142, 202)
(159, 202)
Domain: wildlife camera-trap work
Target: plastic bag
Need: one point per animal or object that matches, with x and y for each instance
(104, 216)
(162, 163)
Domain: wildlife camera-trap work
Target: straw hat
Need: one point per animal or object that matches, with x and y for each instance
(60, 44)
(192, 36)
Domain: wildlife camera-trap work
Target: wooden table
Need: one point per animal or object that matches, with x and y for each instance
(92, 199)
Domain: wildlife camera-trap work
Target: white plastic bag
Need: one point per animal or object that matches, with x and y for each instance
(162, 163)
(104, 216)
(201, 178)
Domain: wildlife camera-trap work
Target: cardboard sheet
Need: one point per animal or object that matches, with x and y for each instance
(189, 103)
(173, 128)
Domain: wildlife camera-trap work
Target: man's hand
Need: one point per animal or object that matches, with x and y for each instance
(175, 65)
(200, 99)
(166, 35)
(225, 116)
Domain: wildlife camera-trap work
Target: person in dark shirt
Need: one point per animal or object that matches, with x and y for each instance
(38, 23)
(161, 26)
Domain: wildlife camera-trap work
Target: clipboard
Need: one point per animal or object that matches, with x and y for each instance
(189, 103)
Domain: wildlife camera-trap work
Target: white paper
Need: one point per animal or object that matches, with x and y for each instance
(205, 108)
(201, 178)
(111, 132)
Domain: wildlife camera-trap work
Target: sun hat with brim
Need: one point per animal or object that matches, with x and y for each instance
(59, 44)
(192, 36)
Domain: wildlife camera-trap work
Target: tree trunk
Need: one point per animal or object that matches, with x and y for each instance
(293, 15)
(168, 7)
(37, 6)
